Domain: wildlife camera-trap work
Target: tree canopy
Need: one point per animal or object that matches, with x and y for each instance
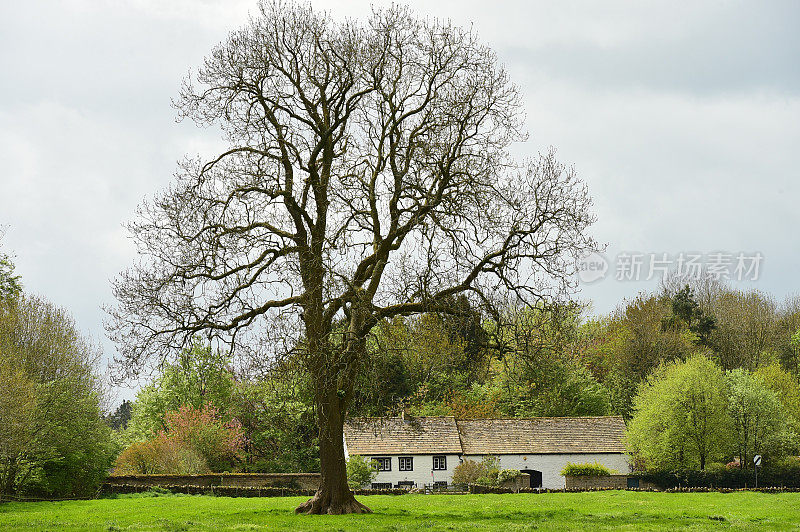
(53, 440)
(367, 176)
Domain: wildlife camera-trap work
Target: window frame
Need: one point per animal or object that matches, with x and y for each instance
(443, 458)
(383, 461)
(401, 459)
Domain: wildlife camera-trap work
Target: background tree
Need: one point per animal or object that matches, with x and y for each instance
(17, 411)
(759, 423)
(10, 284)
(745, 336)
(197, 377)
(785, 388)
(367, 176)
(193, 440)
(277, 418)
(687, 313)
(121, 416)
(624, 348)
(680, 417)
(360, 471)
(55, 442)
(541, 372)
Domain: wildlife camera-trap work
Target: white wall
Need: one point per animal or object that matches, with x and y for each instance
(423, 473)
(551, 464)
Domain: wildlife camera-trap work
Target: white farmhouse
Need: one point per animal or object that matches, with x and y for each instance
(424, 451)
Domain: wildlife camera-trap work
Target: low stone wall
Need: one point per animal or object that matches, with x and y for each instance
(298, 481)
(517, 483)
(617, 482)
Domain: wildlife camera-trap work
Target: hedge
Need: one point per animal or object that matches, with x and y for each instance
(230, 491)
(481, 490)
(586, 470)
(725, 479)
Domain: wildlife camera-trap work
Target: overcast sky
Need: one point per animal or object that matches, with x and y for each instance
(682, 117)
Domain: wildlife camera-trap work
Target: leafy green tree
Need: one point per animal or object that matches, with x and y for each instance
(785, 388)
(464, 325)
(17, 411)
(759, 423)
(555, 388)
(54, 441)
(680, 417)
(791, 354)
(626, 347)
(120, 418)
(746, 335)
(686, 312)
(385, 383)
(541, 370)
(419, 361)
(278, 421)
(198, 377)
(360, 471)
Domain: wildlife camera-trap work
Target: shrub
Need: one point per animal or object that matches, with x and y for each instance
(194, 441)
(360, 471)
(202, 431)
(507, 474)
(468, 472)
(138, 459)
(484, 473)
(586, 470)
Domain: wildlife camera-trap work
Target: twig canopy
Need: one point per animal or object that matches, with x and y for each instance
(367, 176)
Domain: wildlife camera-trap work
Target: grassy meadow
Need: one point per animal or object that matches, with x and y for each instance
(554, 511)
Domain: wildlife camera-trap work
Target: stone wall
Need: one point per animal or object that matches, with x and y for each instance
(604, 482)
(301, 481)
(517, 483)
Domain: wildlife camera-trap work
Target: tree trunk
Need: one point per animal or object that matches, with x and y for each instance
(333, 496)
(7, 483)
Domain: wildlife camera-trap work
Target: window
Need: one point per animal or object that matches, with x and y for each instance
(384, 463)
(439, 463)
(406, 463)
(381, 485)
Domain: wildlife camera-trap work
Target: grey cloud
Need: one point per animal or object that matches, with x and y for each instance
(733, 48)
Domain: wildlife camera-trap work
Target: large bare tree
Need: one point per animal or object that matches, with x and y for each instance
(367, 175)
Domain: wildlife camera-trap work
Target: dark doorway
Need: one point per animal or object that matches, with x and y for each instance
(536, 477)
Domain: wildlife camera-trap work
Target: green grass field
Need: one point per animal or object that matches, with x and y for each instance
(559, 511)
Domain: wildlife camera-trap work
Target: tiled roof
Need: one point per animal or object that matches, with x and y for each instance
(446, 435)
(546, 435)
(419, 435)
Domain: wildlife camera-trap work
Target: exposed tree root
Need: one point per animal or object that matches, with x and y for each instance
(323, 503)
